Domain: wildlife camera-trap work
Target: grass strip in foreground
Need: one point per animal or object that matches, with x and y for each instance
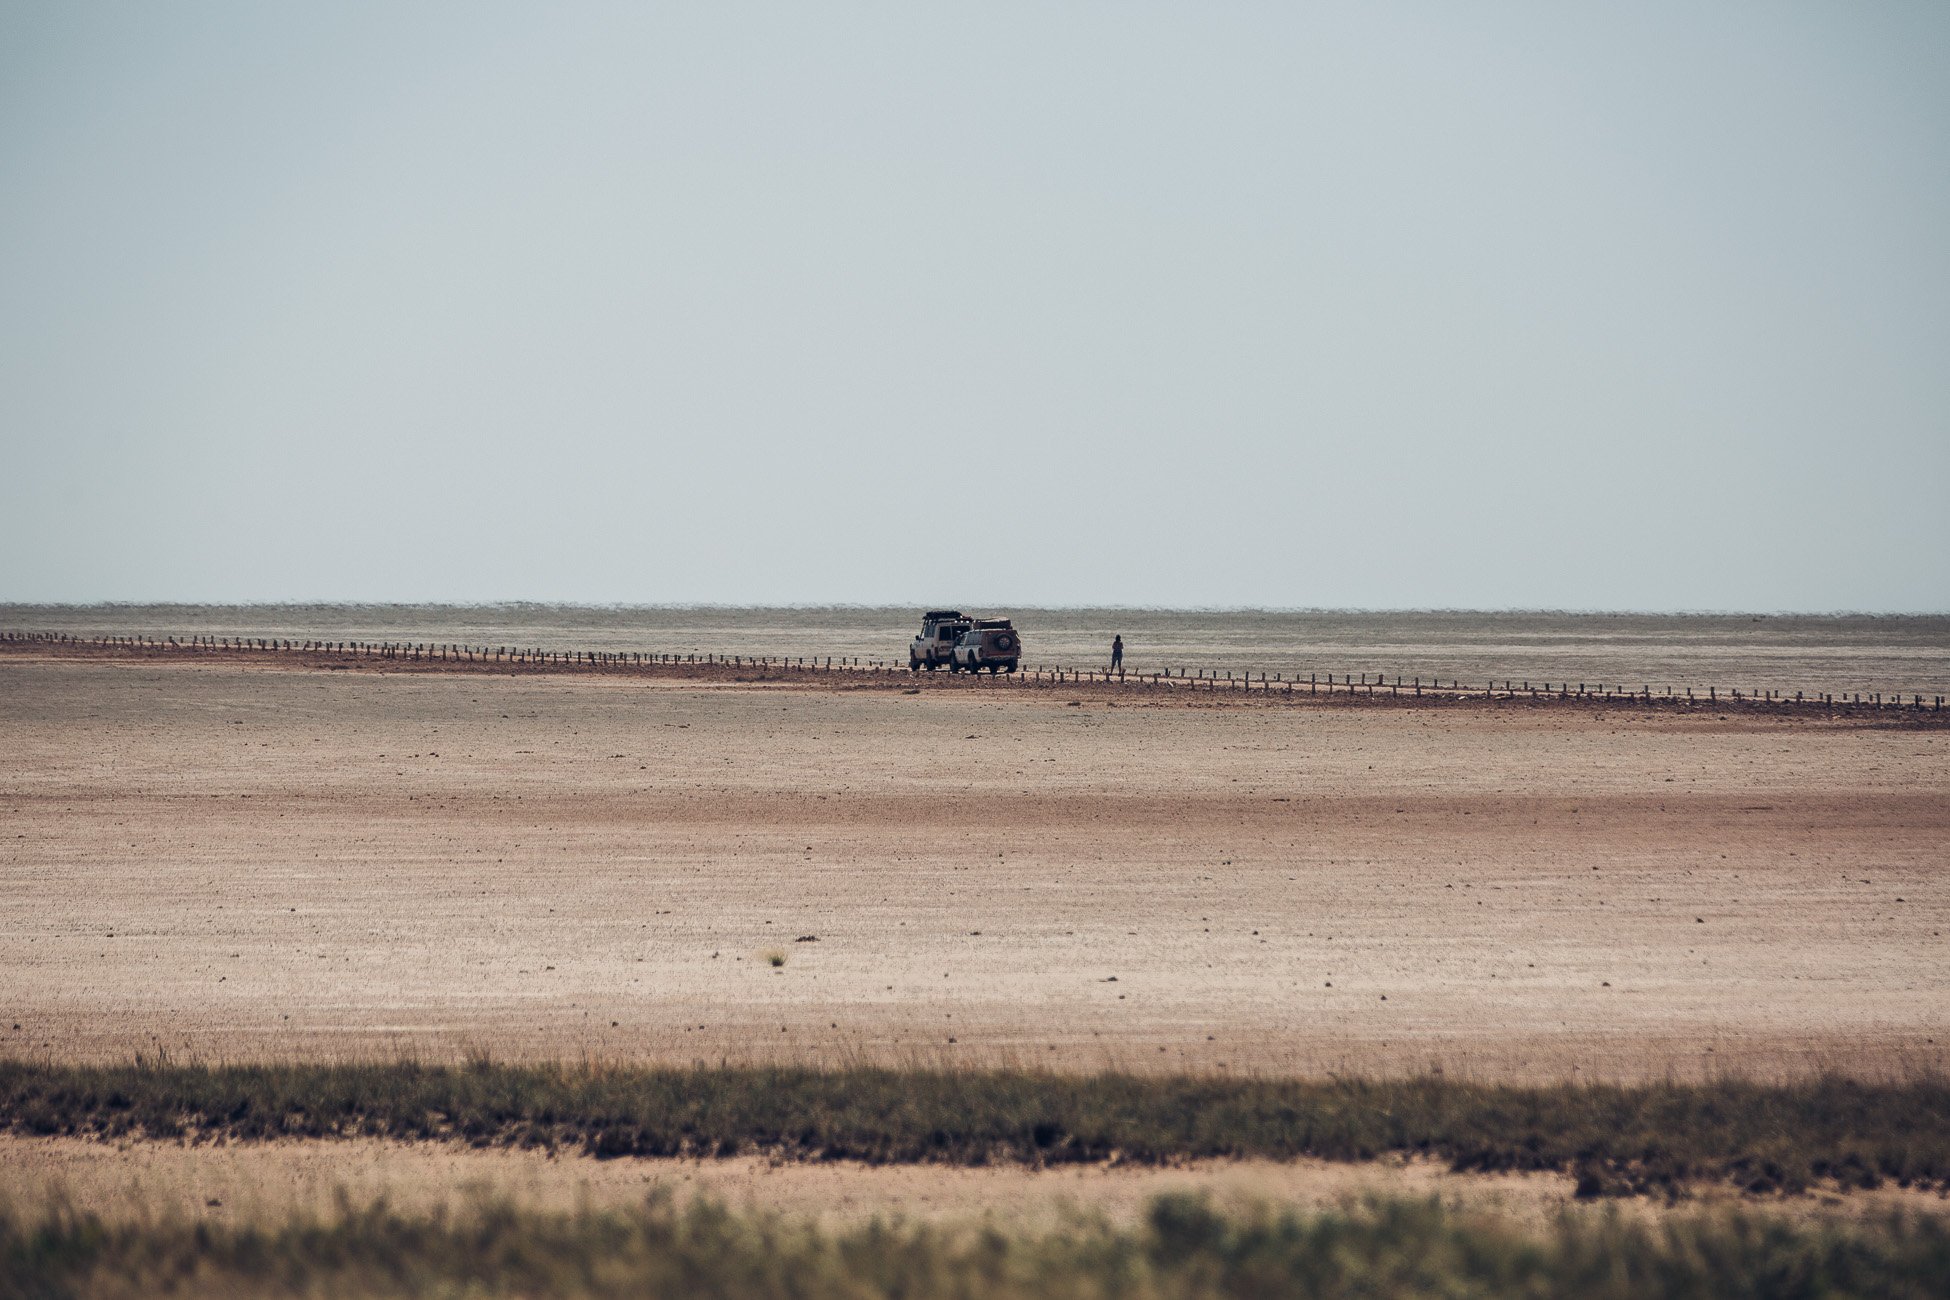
(1618, 1139)
(1183, 1248)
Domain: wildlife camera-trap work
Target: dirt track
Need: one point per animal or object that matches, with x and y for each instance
(268, 861)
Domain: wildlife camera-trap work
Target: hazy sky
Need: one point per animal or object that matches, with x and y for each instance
(1562, 305)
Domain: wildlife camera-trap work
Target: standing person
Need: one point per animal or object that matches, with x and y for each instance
(1116, 652)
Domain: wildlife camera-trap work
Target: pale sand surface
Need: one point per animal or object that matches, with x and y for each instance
(266, 1182)
(280, 862)
(134, 1179)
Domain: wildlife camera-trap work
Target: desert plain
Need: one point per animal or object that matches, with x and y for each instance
(246, 862)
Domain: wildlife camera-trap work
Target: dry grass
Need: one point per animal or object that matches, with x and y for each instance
(1183, 1248)
(1618, 1140)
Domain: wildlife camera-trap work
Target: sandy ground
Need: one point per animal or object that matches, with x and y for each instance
(235, 861)
(267, 1182)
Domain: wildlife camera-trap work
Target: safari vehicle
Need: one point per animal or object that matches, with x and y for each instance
(989, 643)
(940, 629)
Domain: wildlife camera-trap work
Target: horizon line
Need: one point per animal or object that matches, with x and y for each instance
(865, 606)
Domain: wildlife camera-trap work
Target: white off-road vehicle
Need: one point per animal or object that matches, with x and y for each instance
(940, 630)
(990, 643)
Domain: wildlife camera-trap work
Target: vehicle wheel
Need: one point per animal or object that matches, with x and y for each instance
(913, 664)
